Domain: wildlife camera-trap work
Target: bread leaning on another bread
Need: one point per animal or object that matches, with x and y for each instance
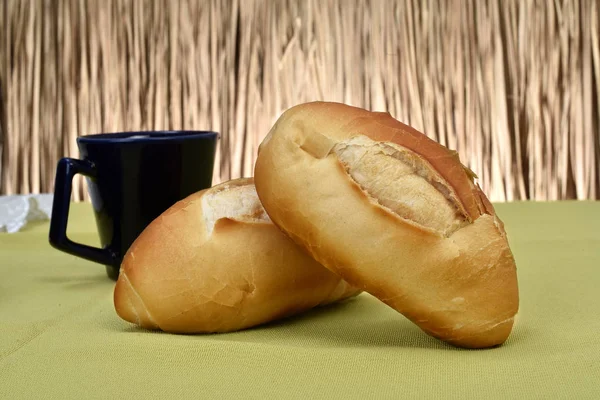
(214, 262)
(394, 213)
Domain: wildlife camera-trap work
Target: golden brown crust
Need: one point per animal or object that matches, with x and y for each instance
(178, 278)
(461, 288)
(348, 121)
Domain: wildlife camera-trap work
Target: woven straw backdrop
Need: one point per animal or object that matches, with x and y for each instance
(513, 86)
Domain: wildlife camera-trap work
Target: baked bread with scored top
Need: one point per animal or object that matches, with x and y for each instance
(394, 213)
(214, 262)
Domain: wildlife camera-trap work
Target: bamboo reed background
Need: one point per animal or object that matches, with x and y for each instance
(513, 86)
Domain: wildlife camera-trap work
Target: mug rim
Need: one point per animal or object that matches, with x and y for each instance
(146, 136)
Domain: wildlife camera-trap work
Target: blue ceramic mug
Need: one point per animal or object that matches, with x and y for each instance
(132, 178)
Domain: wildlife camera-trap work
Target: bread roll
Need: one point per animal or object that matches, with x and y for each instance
(214, 262)
(394, 213)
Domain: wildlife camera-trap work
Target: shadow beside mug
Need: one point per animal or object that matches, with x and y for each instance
(132, 178)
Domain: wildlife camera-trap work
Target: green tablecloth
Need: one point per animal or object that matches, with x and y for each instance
(60, 337)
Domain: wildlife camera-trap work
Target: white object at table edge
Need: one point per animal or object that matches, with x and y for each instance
(16, 211)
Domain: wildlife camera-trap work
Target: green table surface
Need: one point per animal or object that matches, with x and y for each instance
(60, 337)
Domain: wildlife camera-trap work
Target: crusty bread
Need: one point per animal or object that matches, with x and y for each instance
(394, 213)
(214, 262)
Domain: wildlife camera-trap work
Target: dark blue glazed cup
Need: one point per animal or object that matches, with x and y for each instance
(132, 178)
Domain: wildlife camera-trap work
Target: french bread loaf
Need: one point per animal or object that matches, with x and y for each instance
(214, 262)
(393, 213)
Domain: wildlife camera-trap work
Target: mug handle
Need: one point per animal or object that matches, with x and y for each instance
(65, 171)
